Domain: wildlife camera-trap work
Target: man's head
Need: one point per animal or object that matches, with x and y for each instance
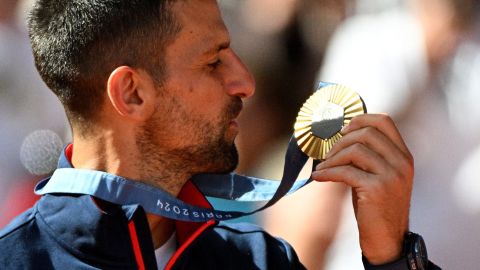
(201, 95)
(77, 44)
(159, 78)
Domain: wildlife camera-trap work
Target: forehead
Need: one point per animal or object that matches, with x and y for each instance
(202, 26)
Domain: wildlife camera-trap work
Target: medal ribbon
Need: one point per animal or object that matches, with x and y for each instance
(154, 200)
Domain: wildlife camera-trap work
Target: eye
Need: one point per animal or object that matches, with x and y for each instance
(215, 64)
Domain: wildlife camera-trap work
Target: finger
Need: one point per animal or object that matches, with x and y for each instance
(377, 142)
(383, 123)
(360, 156)
(347, 174)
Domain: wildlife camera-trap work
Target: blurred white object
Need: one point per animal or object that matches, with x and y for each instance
(382, 57)
(40, 152)
(463, 90)
(466, 184)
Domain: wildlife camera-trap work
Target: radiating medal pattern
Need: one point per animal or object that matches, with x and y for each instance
(322, 117)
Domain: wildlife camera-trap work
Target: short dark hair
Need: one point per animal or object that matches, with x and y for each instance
(77, 44)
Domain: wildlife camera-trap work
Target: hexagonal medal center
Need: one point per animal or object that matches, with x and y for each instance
(327, 120)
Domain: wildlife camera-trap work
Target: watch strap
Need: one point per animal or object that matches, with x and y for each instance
(400, 264)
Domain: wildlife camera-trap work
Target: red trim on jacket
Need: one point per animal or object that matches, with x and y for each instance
(69, 152)
(187, 232)
(135, 245)
(188, 242)
(191, 195)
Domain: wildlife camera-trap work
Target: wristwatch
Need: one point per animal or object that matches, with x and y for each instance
(415, 251)
(414, 256)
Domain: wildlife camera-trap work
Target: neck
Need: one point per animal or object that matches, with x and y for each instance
(115, 155)
(119, 156)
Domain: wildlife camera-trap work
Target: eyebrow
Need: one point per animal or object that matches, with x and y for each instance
(222, 46)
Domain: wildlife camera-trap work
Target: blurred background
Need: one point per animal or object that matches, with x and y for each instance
(417, 60)
(26, 105)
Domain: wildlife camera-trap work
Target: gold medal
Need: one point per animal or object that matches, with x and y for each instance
(322, 117)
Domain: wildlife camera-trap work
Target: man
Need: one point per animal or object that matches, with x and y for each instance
(152, 90)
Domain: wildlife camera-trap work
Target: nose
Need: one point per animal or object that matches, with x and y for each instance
(239, 82)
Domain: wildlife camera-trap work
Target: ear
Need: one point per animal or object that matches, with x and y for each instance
(132, 93)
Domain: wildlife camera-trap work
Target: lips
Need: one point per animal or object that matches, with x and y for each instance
(234, 109)
(232, 112)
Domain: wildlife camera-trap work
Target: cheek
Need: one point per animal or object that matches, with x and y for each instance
(207, 107)
(202, 98)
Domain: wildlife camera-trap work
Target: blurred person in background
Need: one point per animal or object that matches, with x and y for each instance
(399, 62)
(462, 91)
(25, 106)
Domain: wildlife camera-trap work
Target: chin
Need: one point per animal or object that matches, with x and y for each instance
(230, 165)
(227, 161)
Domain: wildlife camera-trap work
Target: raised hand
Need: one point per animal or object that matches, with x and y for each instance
(373, 159)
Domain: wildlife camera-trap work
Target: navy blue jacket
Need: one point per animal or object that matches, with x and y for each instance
(64, 231)
(70, 232)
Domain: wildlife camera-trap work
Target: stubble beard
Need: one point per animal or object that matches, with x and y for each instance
(209, 152)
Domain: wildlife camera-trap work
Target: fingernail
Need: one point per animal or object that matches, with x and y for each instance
(344, 129)
(316, 175)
